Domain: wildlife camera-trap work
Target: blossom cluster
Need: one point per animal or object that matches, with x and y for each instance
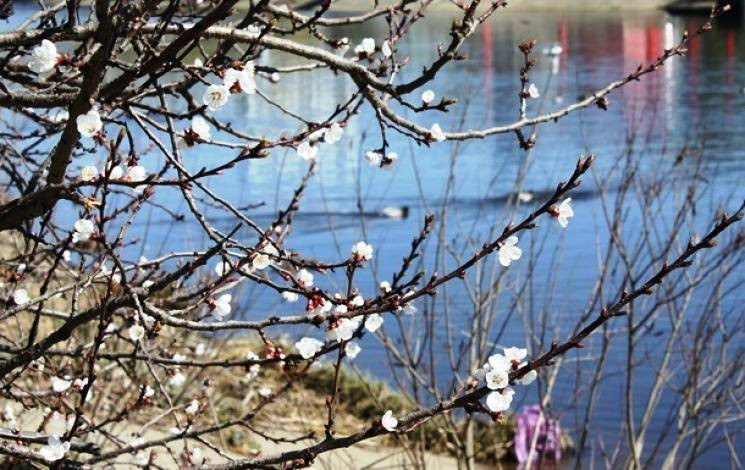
(496, 375)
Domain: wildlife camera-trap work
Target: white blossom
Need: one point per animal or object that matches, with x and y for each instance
(149, 391)
(222, 306)
(366, 46)
(89, 124)
(564, 212)
(389, 421)
(20, 297)
(270, 250)
(88, 173)
(385, 48)
(200, 127)
(9, 415)
(385, 286)
(83, 230)
(136, 174)
(43, 57)
(436, 133)
(306, 151)
(529, 377)
(362, 251)
(200, 349)
(136, 332)
(499, 401)
(480, 372)
(265, 392)
(110, 329)
(55, 449)
(497, 372)
(342, 46)
(304, 278)
(344, 331)
(290, 296)
(499, 362)
(325, 306)
(196, 456)
(317, 135)
(308, 347)
(222, 268)
(192, 408)
(373, 322)
(428, 96)
(116, 173)
(533, 91)
(352, 349)
(515, 354)
(253, 371)
(357, 301)
(60, 384)
(147, 320)
(253, 30)
(509, 251)
(333, 134)
(246, 78)
(142, 458)
(261, 261)
(373, 158)
(215, 96)
(178, 379)
(496, 379)
(408, 307)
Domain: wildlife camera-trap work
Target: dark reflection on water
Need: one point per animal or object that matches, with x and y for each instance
(696, 101)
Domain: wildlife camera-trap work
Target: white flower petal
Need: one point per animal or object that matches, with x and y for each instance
(352, 349)
(215, 96)
(428, 96)
(89, 124)
(389, 421)
(373, 322)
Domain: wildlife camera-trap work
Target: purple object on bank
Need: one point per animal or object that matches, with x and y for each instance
(547, 446)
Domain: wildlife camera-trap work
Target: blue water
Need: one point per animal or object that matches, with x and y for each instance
(696, 103)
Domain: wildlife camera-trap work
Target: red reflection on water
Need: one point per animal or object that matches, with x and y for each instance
(487, 64)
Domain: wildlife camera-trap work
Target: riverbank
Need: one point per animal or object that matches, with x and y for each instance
(224, 393)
